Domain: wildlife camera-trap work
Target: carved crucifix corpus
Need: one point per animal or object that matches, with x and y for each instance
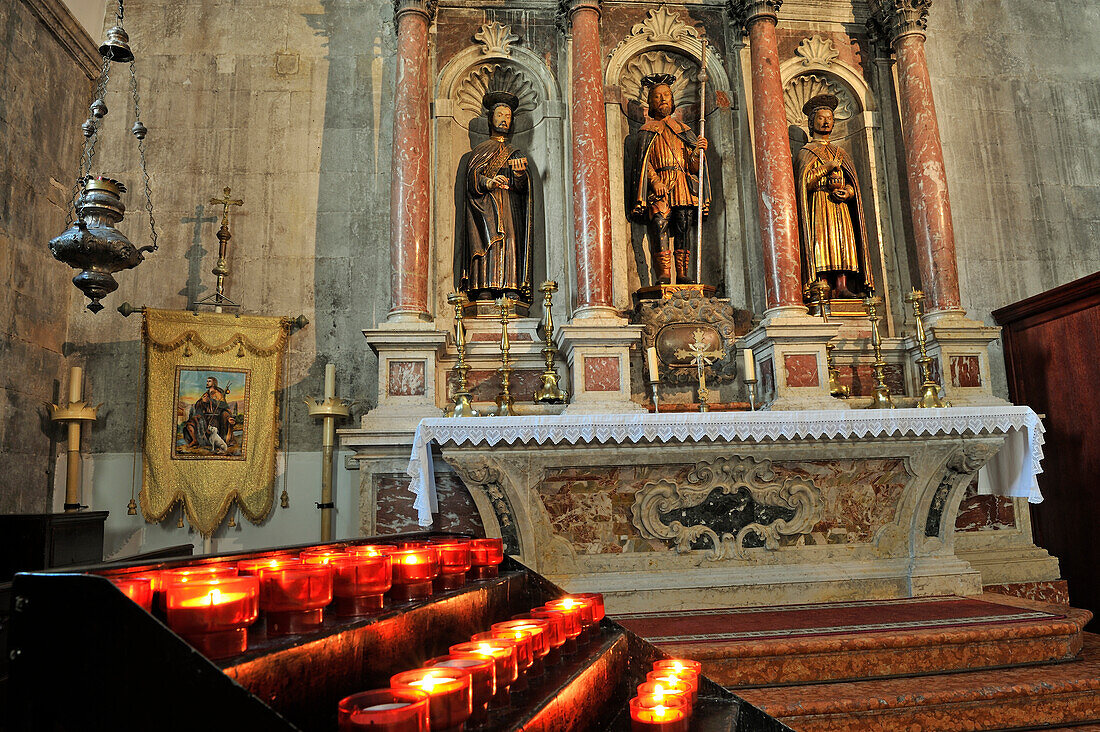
(697, 352)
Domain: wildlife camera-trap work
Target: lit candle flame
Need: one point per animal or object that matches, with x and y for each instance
(659, 711)
(568, 603)
(428, 683)
(412, 559)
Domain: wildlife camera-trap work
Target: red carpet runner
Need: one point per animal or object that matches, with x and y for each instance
(790, 621)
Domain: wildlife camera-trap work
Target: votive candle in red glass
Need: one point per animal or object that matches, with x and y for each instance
(503, 654)
(373, 550)
(293, 596)
(483, 680)
(555, 633)
(596, 599)
(450, 694)
(486, 556)
(540, 644)
(212, 615)
(662, 713)
(584, 607)
(674, 683)
(571, 622)
(679, 666)
(319, 556)
(253, 566)
(358, 581)
(413, 572)
(454, 563)
(183, 575)
(656, 688)
(384, 710)
(138, 589)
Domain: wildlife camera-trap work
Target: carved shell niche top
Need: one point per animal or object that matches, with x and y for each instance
(685, 90)
(803, 88)
(496, 77)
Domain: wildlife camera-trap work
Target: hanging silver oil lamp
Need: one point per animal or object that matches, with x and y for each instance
(92, 243)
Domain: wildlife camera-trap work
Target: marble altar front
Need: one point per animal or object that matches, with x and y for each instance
(670, 511)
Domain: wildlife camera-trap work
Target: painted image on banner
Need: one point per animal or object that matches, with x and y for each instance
(211, 411)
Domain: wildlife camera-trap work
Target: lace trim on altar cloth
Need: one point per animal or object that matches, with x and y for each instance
(1012, 472)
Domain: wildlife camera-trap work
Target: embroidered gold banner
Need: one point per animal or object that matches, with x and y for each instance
(211, 414)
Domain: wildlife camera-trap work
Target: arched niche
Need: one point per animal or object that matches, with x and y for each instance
(664, 43)
(817, 69)
(496, 63)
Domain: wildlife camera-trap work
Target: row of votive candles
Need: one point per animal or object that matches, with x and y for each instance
(212, 605)
(459, 688)
(667, 697)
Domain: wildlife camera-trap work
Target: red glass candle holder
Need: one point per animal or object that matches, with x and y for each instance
(413, 572)
(679, 666)
(536, 630)
(556, 636)
(321, 556)
(486, 556)
(597, 604)
(656, 688)
(675, 683)
(373, 550)
(252, 567)
(503, 654)
(450, 694)
(454, 563)
(586, 609)
(358, 581)
(212, 615)
(662, 713)
(293, 596)
(138, 589)
(384, 710)
(571, 623)
(483, 680)
(199, 573)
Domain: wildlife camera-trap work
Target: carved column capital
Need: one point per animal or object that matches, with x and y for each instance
(423, 7)
(566, 8)
(894, 19)
(743, 12)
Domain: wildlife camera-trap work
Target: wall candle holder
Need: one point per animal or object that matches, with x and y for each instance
(461, 403)
(929, 389)
(550, 392)
(880, 399)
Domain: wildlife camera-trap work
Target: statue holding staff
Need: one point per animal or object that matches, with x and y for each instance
(664, 183)
(834, 236)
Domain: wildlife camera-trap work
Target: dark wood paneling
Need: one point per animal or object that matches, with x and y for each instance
(1052, 359)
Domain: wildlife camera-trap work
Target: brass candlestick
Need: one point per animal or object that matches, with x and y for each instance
(505, 402)
(461, 406)
(820, 292)
(329, 410)
(73, 414)
(697, 352)
(549, 392)
(221, 269)
(929, 389)
(881, 397)
(836, 389)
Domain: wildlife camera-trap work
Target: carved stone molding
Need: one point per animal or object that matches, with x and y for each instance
(804, 87)
(685, 90)
(897, 18)
(791, 506)
(496, 38)
(426, 8)
(487, 77)
(481, 476)
(743, 12)
(961, 468)
(663, 25)
(684, 313)
(817, 50)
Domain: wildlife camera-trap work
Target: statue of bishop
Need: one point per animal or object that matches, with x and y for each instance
(830, 210)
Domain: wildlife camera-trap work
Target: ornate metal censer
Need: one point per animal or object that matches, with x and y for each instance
(92, 243)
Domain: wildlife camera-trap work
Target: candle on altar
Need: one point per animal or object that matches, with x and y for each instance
(384, 710)
(483, 680)
(486, 556)
(454, 562)
(679, 666)
(413, 572)
(651, 363)
(76, 384)
(212, 614)
(503, 654)
(358, 581)
(293, 596)
(450, 694)
(675, 683)
(138, 589)
(658, 713)
(750, 365)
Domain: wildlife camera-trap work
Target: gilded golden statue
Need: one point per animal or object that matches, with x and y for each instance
(496, 259)
(664, 181)
(830, 209)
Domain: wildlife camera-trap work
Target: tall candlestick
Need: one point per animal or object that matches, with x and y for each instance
(330, 380)
(76, 384)
(329, 410)
(73, 413)
(750, 365)
(652, 366)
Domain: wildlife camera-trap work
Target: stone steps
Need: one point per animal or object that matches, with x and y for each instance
(1028, 697)
(849, 656)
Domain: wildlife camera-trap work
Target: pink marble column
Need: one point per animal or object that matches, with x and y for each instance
(591, 181)
(903, 23)
(410, 179)
(774, 170)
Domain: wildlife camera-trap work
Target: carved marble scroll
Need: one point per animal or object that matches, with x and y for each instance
(961, 468)
(753, 483)
(664, 320)
(487, 479)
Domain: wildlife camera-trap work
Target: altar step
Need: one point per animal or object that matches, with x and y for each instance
(938, 664)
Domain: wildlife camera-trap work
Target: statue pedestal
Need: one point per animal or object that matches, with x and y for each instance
(408, 356)
(597, 350)
(791, 368)
(959, 347)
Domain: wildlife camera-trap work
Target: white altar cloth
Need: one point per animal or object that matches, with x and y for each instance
(1011, 472)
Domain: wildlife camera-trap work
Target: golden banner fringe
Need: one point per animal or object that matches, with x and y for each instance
(211, 415)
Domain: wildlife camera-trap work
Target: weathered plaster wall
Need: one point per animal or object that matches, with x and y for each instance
(1019, 110)
(45, 62)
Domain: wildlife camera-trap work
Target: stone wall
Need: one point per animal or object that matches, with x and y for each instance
(47, 63)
